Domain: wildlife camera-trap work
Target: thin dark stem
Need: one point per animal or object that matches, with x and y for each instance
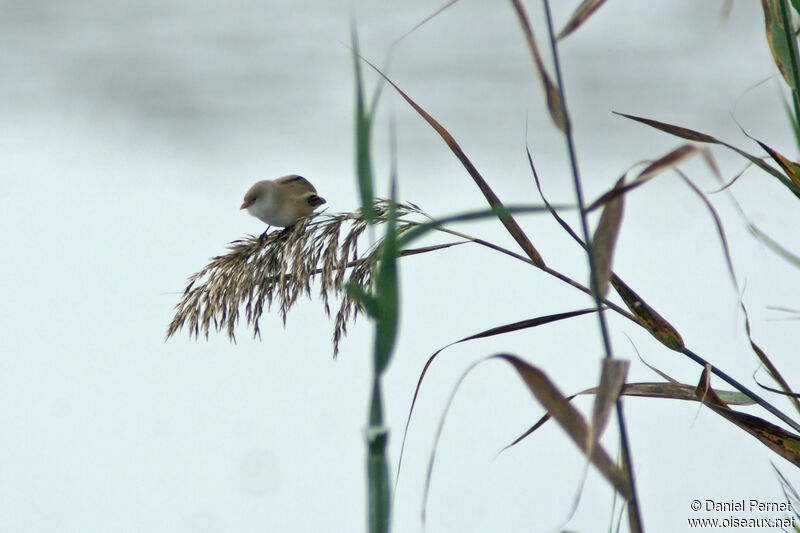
(576, 179)
(555, 273)
(696, 358)
(634, 515)
(734, 383)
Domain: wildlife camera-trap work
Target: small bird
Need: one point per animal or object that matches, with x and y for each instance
(283, 201)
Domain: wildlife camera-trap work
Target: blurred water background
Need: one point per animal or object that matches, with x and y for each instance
(129, 132)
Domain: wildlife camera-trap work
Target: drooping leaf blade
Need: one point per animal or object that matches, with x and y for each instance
(579, 16)
(791, 168)
(569, 419)
(500, 211)
(693, 135)
(653, 169)
(546, 393)
(552, 95)
(718, 223)
(363, 122)
(612, 381)
(777, 439)
(604, 240)
(668, 391)
(387, 292)
(653, 322)
(780, 38)
(498, 330)
(765, 360)
(364, 298)
(774, 245)
(508, 221)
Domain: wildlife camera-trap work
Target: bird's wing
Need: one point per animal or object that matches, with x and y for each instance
(298, 183)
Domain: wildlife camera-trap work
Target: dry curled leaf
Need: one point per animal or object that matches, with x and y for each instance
(580, 15)
(551, 92)
(656, 324)
(604, 240)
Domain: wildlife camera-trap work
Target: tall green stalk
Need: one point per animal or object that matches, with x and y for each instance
(794, 60)
(381, 303)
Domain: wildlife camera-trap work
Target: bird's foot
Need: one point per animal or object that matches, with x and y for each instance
(263, 237)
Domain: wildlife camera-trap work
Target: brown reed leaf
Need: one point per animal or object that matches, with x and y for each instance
(692, 135)
(579, 16)
(498, 330)
(551, 92)
(648, 317)
(768, 364)
(570, 420)
(777, 439)
(717, 222)
(612, 380)
(670, 391)
(657, 167)
(507, 220)
(790, 168)
(604, 239)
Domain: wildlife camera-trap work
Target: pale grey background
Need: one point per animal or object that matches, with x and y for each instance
(129, 132)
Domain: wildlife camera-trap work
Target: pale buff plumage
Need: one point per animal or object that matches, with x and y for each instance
(283, 201)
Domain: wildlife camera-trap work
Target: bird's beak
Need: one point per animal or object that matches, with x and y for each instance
(245, 205)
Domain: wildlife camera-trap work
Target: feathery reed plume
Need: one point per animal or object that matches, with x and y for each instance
(279, 268)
